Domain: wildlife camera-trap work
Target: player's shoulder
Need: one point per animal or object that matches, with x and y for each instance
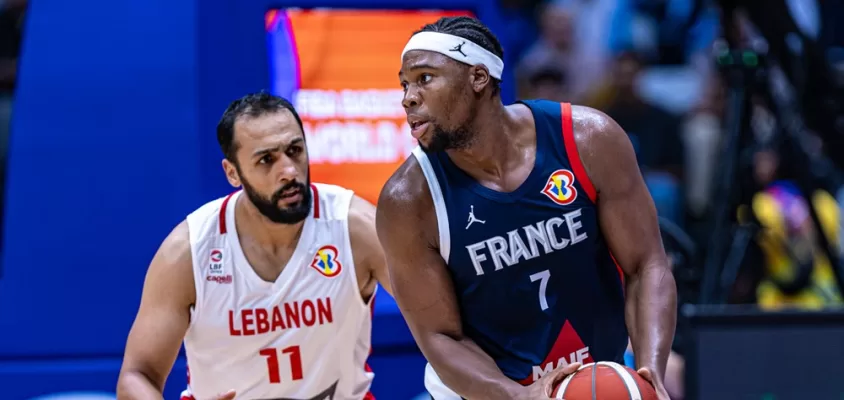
(582, 116)
(406, 190)
(405, 212)
(176, 247)
(212, 206)
(604, 148)
(206, 220)
(549, 107)
(540, 109)
(330, 189)
(331, 202)
(174, 259)
(595, 132)
(593, 121)
(170, 274)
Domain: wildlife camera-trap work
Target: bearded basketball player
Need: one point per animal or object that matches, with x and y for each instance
(269, 287)
(521, 239)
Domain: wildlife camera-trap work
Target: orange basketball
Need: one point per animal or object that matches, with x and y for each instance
(605, 381)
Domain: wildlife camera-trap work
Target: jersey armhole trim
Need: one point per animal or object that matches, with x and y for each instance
(223, 229)
(572, 153)
(579, 171)
(439, 202)
(315, 200)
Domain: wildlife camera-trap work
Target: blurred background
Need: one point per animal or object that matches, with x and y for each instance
(734, 108)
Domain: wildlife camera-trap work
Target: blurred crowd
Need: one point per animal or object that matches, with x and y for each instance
(650, 65)
(647, 64)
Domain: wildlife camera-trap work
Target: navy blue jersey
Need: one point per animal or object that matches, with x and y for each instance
(535, 281)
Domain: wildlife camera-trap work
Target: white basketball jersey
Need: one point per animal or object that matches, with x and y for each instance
(304, 336)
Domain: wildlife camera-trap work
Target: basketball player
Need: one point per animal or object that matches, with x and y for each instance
(269, 287)
(503, 230)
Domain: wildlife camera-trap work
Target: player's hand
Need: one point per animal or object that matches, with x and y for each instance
(649, 376)
(542, 388)
(229, 395)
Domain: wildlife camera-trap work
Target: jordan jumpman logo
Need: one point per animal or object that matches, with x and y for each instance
(459, 49)
(472, 218)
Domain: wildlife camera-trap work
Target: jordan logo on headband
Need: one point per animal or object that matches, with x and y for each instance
(459, 49)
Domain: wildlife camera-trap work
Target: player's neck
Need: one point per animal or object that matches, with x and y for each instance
(251, 222)
(493, 148)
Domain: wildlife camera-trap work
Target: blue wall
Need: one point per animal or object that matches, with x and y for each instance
(112, 145)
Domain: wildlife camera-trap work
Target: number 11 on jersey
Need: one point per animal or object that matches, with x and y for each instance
(273, 363)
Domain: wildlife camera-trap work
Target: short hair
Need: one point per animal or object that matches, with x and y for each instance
(252, 105)
(470, 29)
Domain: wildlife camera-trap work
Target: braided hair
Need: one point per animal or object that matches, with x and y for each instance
(470, 29)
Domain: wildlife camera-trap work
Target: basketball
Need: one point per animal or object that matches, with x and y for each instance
(605, 381)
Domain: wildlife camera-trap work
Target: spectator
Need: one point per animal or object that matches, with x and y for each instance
(702, 136)
(796, 272)
(564, 45)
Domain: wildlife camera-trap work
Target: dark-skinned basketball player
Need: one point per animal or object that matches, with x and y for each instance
(521, 240)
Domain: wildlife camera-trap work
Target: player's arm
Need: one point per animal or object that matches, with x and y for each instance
(161, 322)
(370, 263)
(424, 291)
(628, 219)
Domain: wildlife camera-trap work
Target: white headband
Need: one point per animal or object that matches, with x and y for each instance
(457, 48)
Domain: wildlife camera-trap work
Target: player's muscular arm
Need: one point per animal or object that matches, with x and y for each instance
(161, 322)
(407, 228)
(370, 263)
(628, 219)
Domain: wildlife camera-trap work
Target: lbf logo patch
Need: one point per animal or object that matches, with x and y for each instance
(326, 261)
(215, 262)
(560, 187)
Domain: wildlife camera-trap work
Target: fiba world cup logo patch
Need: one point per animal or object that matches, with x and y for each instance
(560, 187)
(326, 261)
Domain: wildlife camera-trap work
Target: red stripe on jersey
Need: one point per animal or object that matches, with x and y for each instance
(577, 165)
(620, 271)
(223, 213)
(571, 152)
(316, 200)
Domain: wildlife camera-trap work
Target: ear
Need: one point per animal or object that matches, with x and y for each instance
(479, 77)
(231, 173)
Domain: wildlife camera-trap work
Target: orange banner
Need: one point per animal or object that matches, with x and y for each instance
(349, 95)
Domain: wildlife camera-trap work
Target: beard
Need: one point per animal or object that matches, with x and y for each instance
(442, 139)
(268, 206)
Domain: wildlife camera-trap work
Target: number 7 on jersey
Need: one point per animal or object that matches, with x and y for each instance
(273, 363)
(542, 277)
